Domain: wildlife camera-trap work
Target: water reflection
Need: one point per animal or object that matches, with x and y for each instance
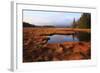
(62, 38)
(80, 36)
(83, 36)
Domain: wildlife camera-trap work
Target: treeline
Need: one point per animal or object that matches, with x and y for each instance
(83, 22)
(25, 24)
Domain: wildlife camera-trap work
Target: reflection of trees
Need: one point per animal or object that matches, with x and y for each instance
(83, 36)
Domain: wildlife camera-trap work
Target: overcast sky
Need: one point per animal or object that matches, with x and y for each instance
(41, 18)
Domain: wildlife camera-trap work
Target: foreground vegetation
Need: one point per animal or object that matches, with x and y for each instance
(36, 48)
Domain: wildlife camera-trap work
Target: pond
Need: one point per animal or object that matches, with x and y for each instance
(80, 36)
(62, 38)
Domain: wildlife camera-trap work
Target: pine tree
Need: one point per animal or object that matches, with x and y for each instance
(84, 21)
(74, 23)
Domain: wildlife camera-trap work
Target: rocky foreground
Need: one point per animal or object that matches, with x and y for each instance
(36, 49)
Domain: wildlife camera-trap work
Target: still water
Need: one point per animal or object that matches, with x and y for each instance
(81, 36)
(62, 38)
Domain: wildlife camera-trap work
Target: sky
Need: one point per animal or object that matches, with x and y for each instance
(42, 18)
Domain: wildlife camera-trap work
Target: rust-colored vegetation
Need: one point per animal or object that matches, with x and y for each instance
(36, 48)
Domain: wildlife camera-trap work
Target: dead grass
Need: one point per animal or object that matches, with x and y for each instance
(36, 48)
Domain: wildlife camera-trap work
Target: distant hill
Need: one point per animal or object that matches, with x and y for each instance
(46, 26)
(25, 24)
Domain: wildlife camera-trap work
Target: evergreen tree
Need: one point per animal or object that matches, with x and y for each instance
(74, 23)
(84, 21)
